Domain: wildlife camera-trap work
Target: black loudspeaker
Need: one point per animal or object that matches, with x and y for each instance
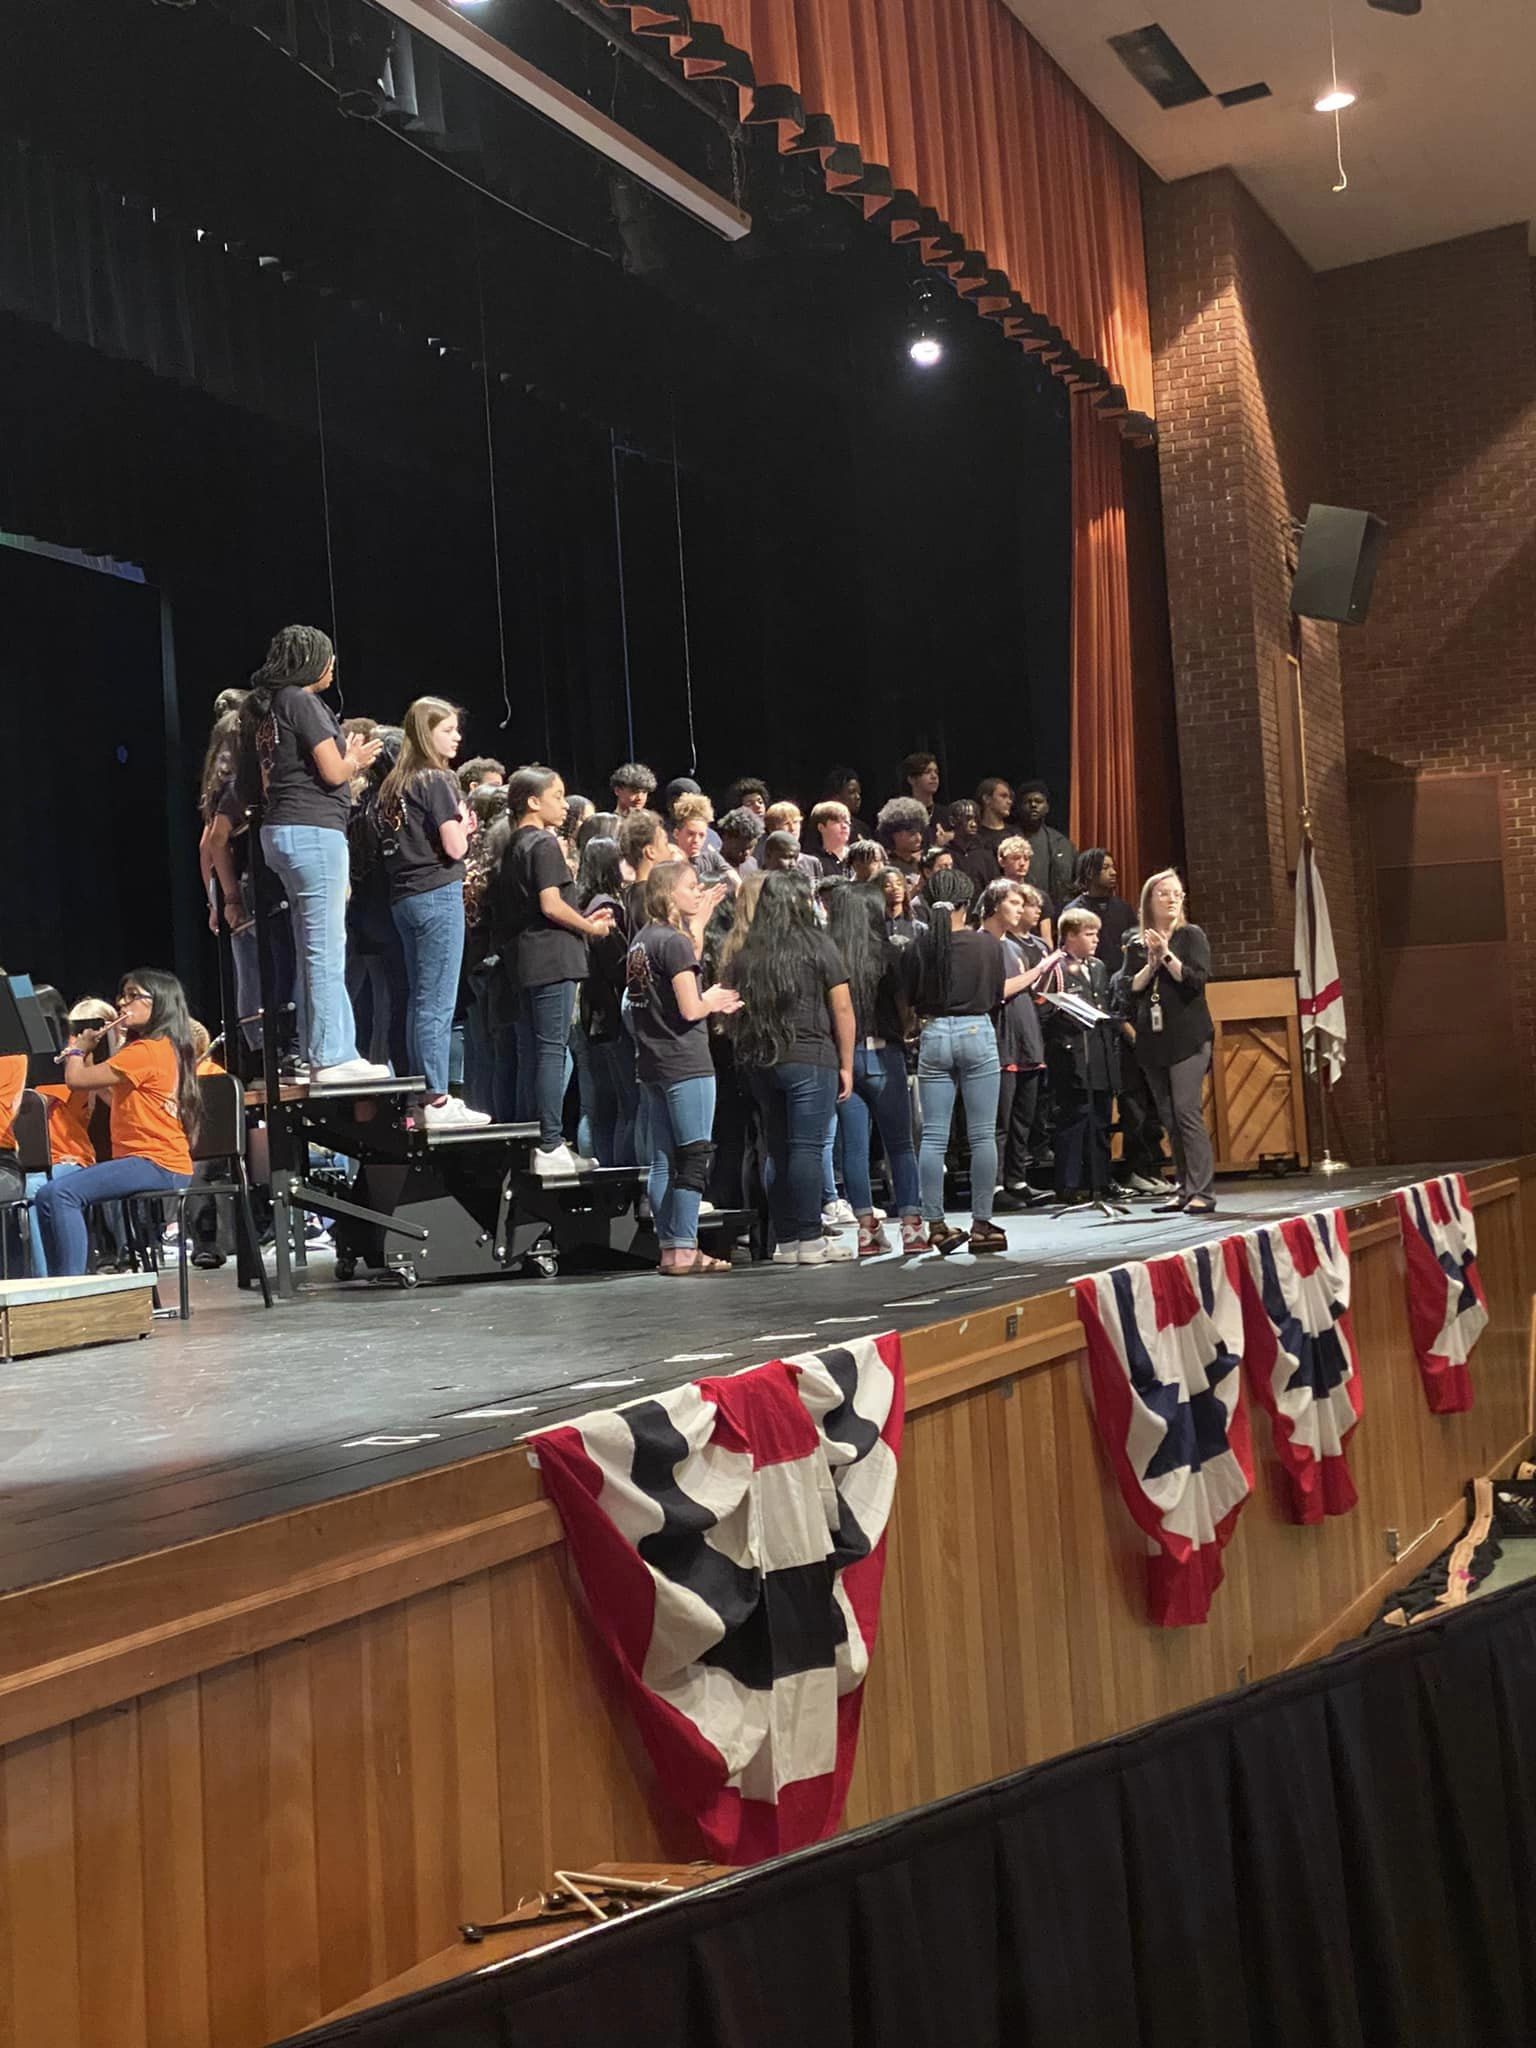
(1337, 564)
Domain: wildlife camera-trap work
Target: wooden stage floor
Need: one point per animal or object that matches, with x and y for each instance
(242, 1414)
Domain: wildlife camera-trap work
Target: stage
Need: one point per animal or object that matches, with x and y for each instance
(243, 1414)
(284, 1699)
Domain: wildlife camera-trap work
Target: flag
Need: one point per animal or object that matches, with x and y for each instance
(1164, 1343)
(1320, 997)
(1299, 1355)
(1447, 1308)
(730, 1539)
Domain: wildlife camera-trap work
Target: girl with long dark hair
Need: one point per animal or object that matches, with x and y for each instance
(544, 945)
(429, 825)
(880, 984)
(794, 1040)
(307, 767)
(670, 1013)
(151, 1082)
(604, 1049)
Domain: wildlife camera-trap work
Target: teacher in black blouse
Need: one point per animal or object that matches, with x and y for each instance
(1168, 962)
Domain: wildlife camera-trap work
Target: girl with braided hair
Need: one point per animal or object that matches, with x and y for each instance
(307, 766)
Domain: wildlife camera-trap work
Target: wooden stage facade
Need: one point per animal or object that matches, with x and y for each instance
(247, 1778)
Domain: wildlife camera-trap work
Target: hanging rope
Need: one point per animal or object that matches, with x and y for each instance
(490, 471)
(325, 506)
(682, 585)
(618, 548)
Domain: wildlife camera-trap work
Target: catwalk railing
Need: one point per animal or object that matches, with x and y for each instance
(247, 1779)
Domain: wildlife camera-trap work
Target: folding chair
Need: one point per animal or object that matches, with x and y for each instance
(34, 1154)
(221, 1141)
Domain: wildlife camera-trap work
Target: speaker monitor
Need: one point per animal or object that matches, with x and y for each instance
(1337, 564)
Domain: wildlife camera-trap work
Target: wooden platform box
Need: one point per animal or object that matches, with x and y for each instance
(62, 1315)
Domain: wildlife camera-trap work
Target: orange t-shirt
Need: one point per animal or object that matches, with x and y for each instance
(69, 1123)
(13, 1081)
(145, 1122)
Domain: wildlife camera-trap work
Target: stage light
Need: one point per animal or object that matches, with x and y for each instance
(1334, 102)
(926, 351)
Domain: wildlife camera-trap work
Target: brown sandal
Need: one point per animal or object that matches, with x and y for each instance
(702, 1264)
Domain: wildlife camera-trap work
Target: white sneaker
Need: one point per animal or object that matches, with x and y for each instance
(1144, 1184)
(838, 1215)
(785, 1255)
(583, 1163)
(347, 1071)
(825, 1251)
(706, 1209)
(452, 1115)
(557, 1165)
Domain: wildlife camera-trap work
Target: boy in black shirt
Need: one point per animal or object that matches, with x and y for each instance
(1084, 1063)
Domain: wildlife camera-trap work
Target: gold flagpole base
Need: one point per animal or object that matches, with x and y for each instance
(1328, 1164)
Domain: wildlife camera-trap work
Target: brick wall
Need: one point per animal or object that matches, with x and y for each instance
(1240, 385)
(1432, 418)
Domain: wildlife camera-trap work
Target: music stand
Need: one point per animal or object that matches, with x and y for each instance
(23, 1024)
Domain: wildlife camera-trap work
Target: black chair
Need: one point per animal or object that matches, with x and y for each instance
(220, 1141)
(34, 1154)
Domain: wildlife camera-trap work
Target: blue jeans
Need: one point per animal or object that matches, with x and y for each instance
(679, 1113)
(796, 1100)
(879, 1092)
(311, 863)
(958, 1056)
(431, 928)
(36, 1182)
(610, 1095)
(62, 1203)
(543, 1027)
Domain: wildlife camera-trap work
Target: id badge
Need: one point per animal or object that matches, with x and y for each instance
(1157, 1018)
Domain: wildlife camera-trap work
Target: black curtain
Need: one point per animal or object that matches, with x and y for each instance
(1338, 1858)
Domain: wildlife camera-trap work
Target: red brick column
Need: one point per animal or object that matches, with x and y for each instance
(1240, 383)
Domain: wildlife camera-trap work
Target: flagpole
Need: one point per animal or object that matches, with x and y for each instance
(1306, 878)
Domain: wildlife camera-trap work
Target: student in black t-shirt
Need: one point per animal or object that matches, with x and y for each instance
(670, 1014)
(1011, 912)
(794, 1041)
(846, 787)
(603, 1047)
(306, 770)
(428, 826)
(964, 981)
(901, 828)
(643, 846)
(1015, 860)
(1096, 882)
(547, 935)
(970, 854)
(832, 827)
(880, 982)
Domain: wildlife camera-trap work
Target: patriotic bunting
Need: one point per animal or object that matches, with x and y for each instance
(1300, 1356)
(1447, 1308)
(730, 1539)
(1164, 1344)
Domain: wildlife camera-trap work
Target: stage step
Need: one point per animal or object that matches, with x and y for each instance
(63, 1314)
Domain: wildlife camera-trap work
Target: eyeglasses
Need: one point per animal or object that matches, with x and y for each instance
(136, 995)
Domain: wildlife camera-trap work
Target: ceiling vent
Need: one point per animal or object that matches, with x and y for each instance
(1159, 66)
(1240, 95)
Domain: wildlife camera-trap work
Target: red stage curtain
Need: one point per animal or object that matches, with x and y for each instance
(1104, 749)
(1024, 192)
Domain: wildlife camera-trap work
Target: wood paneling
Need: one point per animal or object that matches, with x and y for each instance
(1437, 844)
(218, 1855)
